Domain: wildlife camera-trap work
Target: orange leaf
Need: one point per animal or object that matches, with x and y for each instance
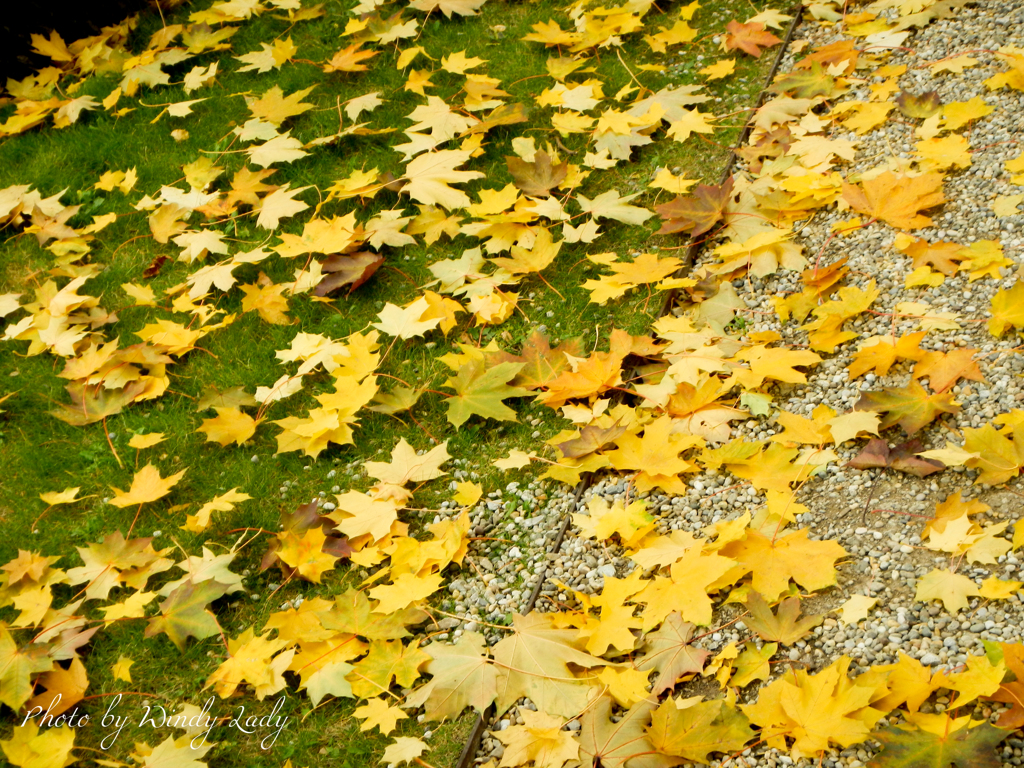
(944, 369)
(347, 59)
(897, 200)
(749, 38)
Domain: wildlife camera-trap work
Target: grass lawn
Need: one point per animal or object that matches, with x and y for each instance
(40, 453)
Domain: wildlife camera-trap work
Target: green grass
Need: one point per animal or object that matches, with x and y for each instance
(39, 453)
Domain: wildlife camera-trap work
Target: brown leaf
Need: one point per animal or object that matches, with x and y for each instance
(785, 625)
(506, 114)
(912, 407)
(806, 84)
(874, 454)
(901, 458)
(90, 404)
(669, 653)
(352, 269)
(305, 518)
(843, 52)
(697, 213)
(923, 105)
(592, 438)
(154, 267)
(539, 177)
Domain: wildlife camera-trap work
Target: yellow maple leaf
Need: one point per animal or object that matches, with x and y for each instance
(28, 748)
(677, 185)
(406, 590)
(147, 486)
(305, 553)
(924, 276)
(630, 523)
(175, 338)
(407, 322)
(994, 588)
(910, 682)
(359, 514)
(719, 69)
(856, 609)
(404, 750)
(776, 363)
(984, 258)
(955, 64)
(349, 59)
(852, 424)
(816, 710)
(952, 589)
(274, 107)
(251, 660)
(132, 607)
(376, 713)
(142, 294)
(864, 116)
(430, 175)
(535, 259)
(268, 301)
(948, 152)
(121, 670)
(468, 493)
(407, 466)
(67, 496)
(1006, 205)
(981, 678)
(691, 121)
(959, 113)
(1016, 166)
(223, 503)
(680, 33)
(612, 630)
(458, 62)
(655, 456)
(774, 561)
(230, 426)
(799, 430)
(141, 441)
(540, 739)
(516, 459)
(685, 590)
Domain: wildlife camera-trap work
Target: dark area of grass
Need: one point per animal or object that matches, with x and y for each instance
(69, 18)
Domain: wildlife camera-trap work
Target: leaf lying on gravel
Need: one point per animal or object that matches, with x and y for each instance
(911, 407)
